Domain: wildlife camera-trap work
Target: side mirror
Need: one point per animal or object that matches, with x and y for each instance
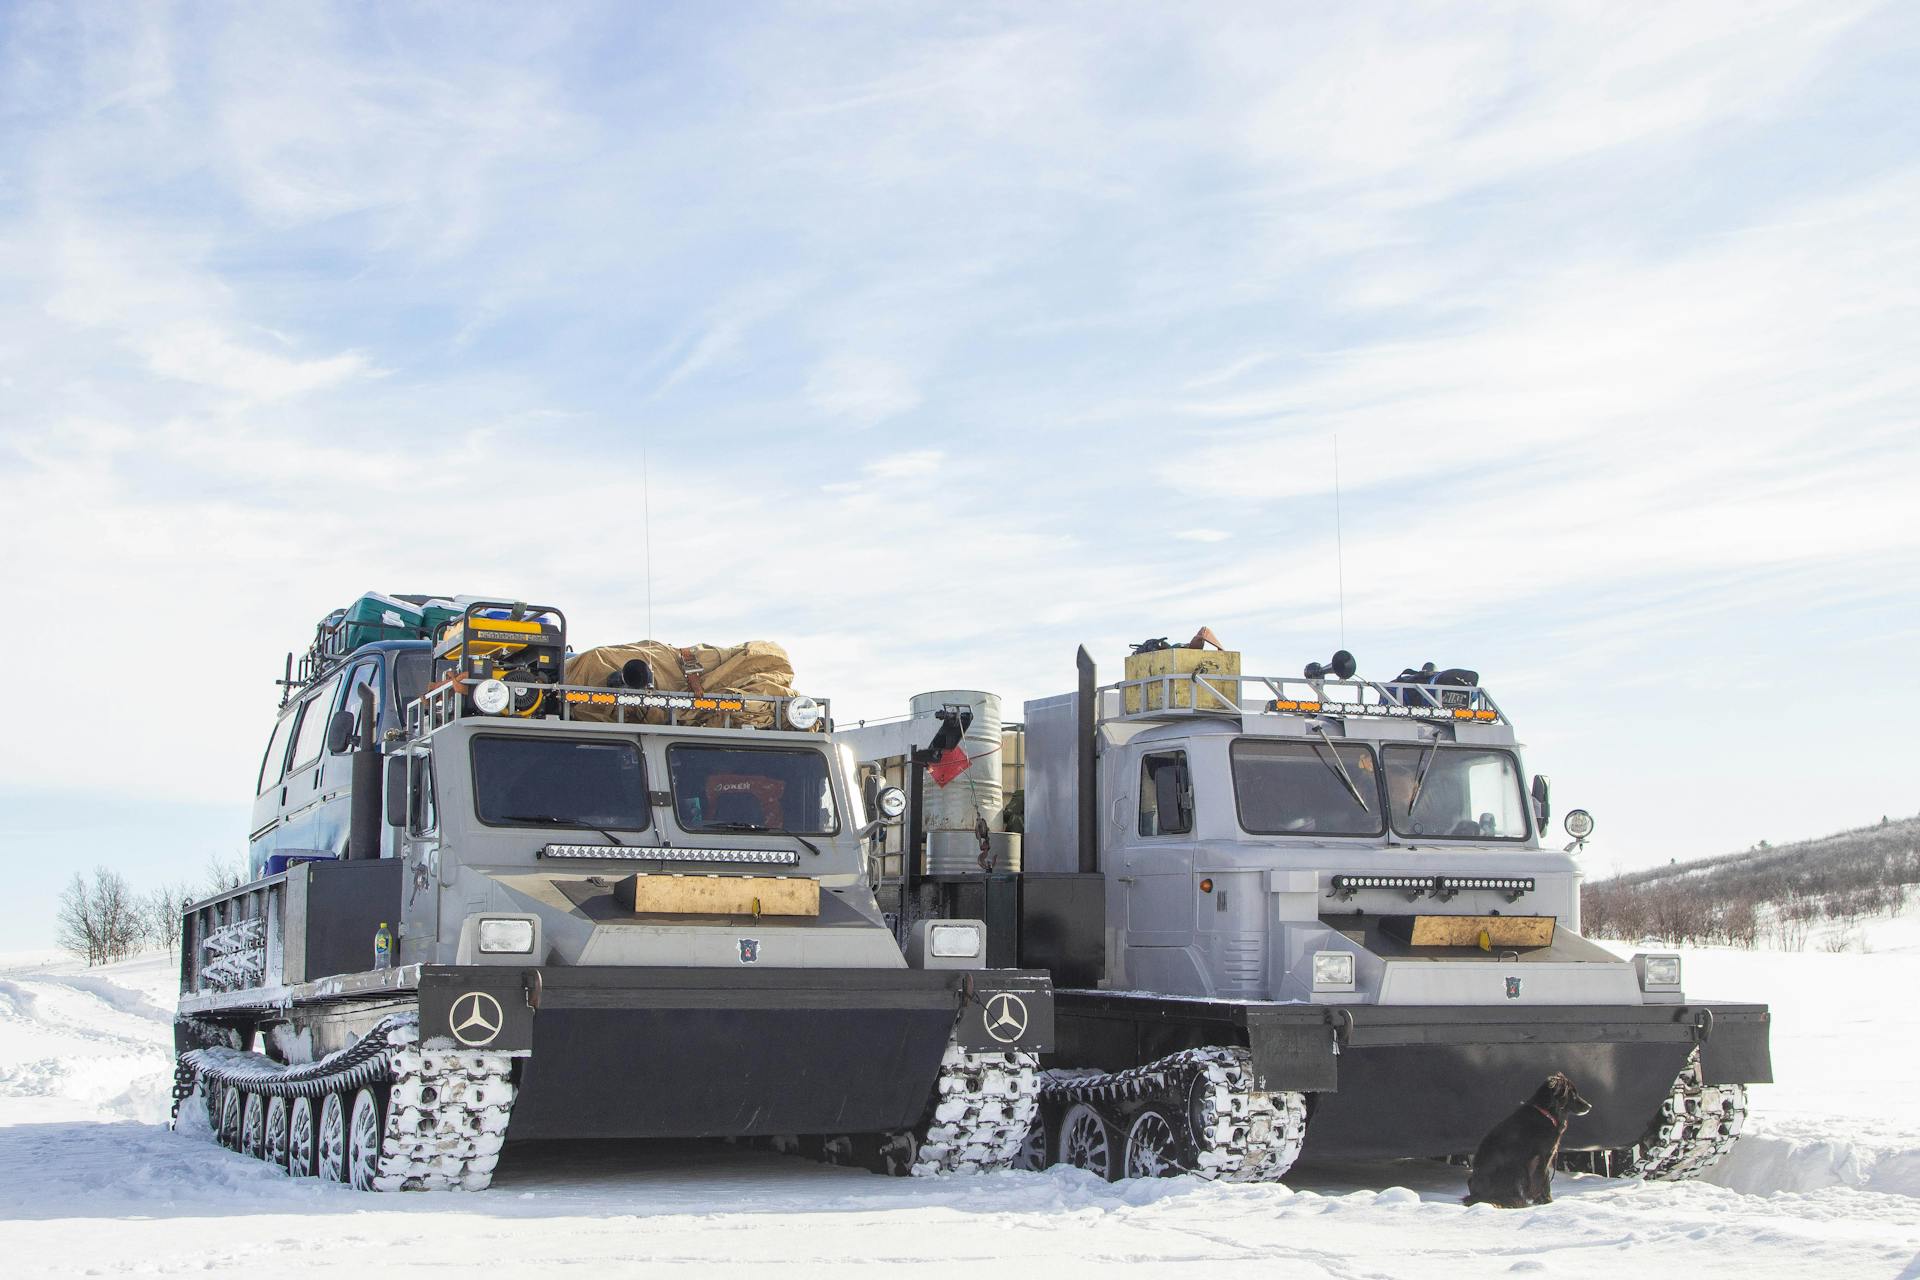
(340, 732)
(396, 791)
(1541, 809)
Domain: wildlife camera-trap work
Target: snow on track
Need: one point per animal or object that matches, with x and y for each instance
(91, 1182)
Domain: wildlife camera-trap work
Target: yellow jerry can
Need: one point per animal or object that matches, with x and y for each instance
(1212, 663)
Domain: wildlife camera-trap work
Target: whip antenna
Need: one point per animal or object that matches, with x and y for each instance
(1339, 545)
(646, 530)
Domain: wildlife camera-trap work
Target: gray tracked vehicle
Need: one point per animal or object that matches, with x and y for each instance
(477, 917)
(1320, 915)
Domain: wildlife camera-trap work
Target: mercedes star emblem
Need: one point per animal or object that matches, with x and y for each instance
(476, 1019)
(1005, 1017)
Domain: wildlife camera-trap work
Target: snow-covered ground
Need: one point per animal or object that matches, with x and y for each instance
(93, 1183)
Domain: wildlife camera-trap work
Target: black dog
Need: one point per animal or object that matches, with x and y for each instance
(1514, 1166)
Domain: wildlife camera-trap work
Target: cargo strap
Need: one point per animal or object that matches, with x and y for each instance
(692, 670)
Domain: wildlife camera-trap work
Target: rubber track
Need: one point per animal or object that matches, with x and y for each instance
(446, 1109)
(1236, 1133)
(983, 1105)
(1697, 1125)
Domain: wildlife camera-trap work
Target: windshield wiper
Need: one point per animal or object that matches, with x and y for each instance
(757, 828)
(548, 820)
(1420, 782)
(1341, 769)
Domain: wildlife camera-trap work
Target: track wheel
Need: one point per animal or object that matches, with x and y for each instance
(363, 1141)
(1036, 1149)
(274, 1143)
(1087, 1142)
(1154, 1149)
(331, 1153)
(253, 1126)
(228, 1130)
(300, 1137)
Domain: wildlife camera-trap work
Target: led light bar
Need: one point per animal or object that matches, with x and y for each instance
(657, 701)
(1503, 884)
(1388, 709)
(1346, 884)
(672, 853)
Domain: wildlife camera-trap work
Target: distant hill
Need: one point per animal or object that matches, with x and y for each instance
(1777, 894)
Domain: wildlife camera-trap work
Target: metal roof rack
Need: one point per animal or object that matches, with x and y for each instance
(446, 703)
(1198, 693)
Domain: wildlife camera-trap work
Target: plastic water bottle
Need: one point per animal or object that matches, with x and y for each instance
(383, 947)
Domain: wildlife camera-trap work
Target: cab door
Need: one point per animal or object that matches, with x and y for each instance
(1157, 848)
(303, 823)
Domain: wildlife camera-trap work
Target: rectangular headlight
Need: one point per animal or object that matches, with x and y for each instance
(1660, 971)
(1332, 969)
(510, 937)
(954, 941)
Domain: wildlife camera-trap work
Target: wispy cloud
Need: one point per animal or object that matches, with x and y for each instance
(954, 337)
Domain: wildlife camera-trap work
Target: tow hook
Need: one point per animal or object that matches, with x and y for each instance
(1703, 1025)
(535, 987)
(1342, 1021)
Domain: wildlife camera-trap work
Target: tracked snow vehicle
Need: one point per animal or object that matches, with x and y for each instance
(1322, 915)
(479, 916)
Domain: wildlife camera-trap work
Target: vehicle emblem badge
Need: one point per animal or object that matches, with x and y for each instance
(476, 1019)
(1513, 988)
(1005, 1017)
(749, 950)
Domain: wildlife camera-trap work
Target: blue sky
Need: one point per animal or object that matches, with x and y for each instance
(954, 337)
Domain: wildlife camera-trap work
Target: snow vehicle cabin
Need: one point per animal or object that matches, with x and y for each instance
(1313, 913)
(503, 890)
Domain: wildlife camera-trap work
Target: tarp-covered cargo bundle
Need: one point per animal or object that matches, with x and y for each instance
(758, 668)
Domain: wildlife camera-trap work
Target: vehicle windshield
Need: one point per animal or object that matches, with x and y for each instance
(1315, 787)
(525, 781)
(752, 789)
(1455, 793)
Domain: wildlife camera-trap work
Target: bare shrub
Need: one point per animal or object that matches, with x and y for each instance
(99, 920)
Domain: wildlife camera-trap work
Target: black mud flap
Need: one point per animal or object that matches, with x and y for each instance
(1735, 1045)
(479, 1006)
(1004, 1010)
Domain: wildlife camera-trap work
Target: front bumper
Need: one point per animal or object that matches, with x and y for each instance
(1389, 1081)
(626, 1052)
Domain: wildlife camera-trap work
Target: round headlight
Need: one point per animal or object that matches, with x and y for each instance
(492, 696)
(1579, 824)
(892, 802)
(803, 713)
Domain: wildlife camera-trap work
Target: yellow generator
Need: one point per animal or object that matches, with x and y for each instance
(518, 643)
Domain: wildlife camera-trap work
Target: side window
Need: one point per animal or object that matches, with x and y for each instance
(422, 815)
(366, 674)
(276, 757)
(312, 733)
(1166, 794)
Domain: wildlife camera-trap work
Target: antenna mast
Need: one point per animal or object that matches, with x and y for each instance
(1339, 543)
(646, 529)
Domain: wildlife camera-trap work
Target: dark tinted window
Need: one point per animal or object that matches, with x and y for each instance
(559, 782)
(745, 789)
(1297, 788)
(411, 668)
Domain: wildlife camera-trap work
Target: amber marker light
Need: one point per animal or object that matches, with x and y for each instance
(1206, 886)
